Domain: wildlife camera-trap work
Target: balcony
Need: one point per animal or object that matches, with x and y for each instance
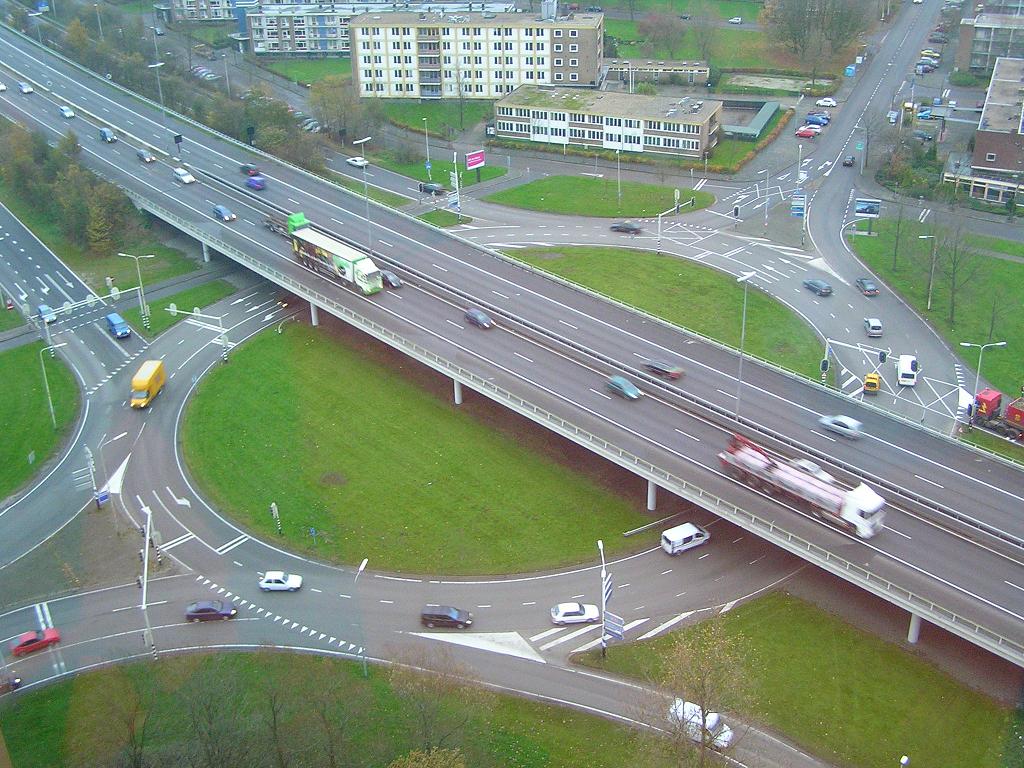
(429, 62)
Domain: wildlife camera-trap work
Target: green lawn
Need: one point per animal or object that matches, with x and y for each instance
(734, 48)
(384, 468)
(445, 218)
(1000, 445)
(995, 286)
(690, 295)
(170, 262)
(846, 696)
(440, 170)
(80, 721)
(25, 413)
(443, 115)
(724, 9)
(309, 70)
(160, 319)
(10, 318)
(587, 196)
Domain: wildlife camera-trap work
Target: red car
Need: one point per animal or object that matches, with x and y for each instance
(803, 133)
(28, 642)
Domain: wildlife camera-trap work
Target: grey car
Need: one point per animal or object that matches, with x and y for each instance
(841, 425)
(479, 318)
(623, 387)
(819, 287)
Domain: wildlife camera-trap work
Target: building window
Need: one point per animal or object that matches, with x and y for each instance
(558, 62)
(574, 62)
(573, 76)
(558, 33)
(574, 33)
(558, 77)
(573, 48)
(990, 157)
(558, 47)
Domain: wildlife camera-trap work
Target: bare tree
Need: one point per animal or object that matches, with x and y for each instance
(790, 23)
(705, 29)
(841, 21)
(211, 703)
(959, 266)
(435, 758)
(426, 681)
(899, 226)
(662, 32)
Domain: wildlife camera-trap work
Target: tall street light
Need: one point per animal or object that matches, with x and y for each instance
(143, 307)
(767, 197)
(981, 351)
(745, 279)
(604, 644)
(931, 270)
(618, 178)
(366, 194)
(99, 21)
(159, 89)
(46, 383)
(38, 25)
(426, 140)
(362, 649)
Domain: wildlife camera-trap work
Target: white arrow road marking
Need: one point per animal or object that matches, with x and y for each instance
(54, 284)
(43, 286)
(180, 502)
(114, 483)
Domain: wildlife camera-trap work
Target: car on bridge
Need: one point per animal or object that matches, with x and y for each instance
(842, 425)
(574, 613)
(182, 175)
(25, 87)
(667, 370)
(30, 642)
(67, 112)
(479, 318)
(623, 387)
(223, 213)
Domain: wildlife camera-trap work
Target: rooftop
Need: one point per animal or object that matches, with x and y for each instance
(999, 21)
(684, 110)
(485, 19)
(1004, 107)
(355, 9)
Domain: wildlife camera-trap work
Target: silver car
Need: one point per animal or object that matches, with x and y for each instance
(842, 425)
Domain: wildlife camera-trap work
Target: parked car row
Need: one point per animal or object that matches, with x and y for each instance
(815, 121)
(306, 123)
(204, 73)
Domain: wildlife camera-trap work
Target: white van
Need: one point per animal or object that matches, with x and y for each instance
(683, 537)
(907, 370)
(688, 716)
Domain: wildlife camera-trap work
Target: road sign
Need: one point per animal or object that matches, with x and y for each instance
(860, 146)
(102, 497)
(614, 625)
(427, 165)
(798, 205)
(475, 159)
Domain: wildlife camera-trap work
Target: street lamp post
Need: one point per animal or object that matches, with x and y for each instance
(159, 88)
(143, 307)
(227, 75)
(604, 643)
(99, 21)
(931, 270)
(426, 140)
(745, 279)
(362, 648)
(767, 195)
(618, 177)
(366, 194)
(981, 351)
(38, 25)
(46, 382)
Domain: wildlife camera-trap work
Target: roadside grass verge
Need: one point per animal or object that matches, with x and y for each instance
(440, 170)
(81, 720)
(444, 218)
(1002, 446)
(687, 294)
(587, 196)
(442, 115)
(169, 262)
(982, 303)
(383, 468)
(309, 70)
(25, 413)
(382, 196)
(160, 319)
(846, 696)
(11, 318)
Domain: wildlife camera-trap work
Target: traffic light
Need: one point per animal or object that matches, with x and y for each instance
(882, 355)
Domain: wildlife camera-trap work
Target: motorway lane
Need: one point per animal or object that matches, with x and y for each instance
(299, 196)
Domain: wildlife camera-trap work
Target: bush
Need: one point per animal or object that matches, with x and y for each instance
(646, 89)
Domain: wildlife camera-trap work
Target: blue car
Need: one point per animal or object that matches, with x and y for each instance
(256, 182)
(46, 314)
(623, 387)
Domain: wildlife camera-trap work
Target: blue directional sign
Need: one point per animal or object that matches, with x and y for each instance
(427, 165)
(614, 625)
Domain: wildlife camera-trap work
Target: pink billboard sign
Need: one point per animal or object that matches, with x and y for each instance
(475, 160)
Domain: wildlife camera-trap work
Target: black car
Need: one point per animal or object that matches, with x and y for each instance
(626, 226)
(820, 287)
(922, 135)
(659, 368)
(432, 188)
(867, 287)
(391, 280)
(445, 616)
(848, 161)
(209, 610)
(250, 170)
(479, 318)
(145, 155)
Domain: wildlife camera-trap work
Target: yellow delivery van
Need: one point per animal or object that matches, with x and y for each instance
(147, 383)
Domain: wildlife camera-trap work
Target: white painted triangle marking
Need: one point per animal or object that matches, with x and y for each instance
(507, 643)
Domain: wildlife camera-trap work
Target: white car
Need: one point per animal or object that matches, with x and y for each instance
(25, 87)
(826, 102)
(574, 613)
(67, 112)
(3, 86)
(841, 425)
(736, 20)
(687, 716)
(279, 581)
(808, 466)
(184, 176)
(358, 161)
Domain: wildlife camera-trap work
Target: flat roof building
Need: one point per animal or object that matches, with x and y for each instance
(987, 37)
(475, 55)
(618, 121)
(995, 169)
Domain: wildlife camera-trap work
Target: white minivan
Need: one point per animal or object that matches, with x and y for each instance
(683, 537)
(907, 370)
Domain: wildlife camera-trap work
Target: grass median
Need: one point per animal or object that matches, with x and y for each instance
(444, 218)
(843, 694)
(687, 294)
(383, 468)
(160, 319)
(29, 438)
(585, 196)
(84, 720)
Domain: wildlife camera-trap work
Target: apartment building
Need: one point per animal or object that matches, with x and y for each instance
(994, 171)
(987, 37)
(475, 55)
(202, 10)
(639, 70)
(608, 120)
(322, 29)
